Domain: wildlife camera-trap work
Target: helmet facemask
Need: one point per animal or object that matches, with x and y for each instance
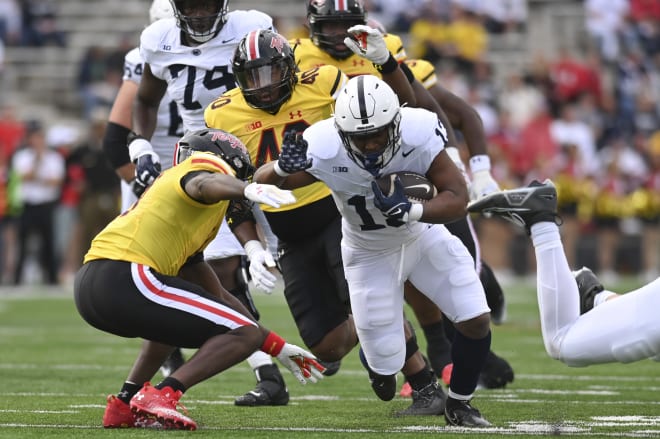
(201, 20)
(373, 161)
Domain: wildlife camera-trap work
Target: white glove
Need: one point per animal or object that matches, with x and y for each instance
(368, 43)
(301, 364)
(260, 260)
(268, 194)
(483, 182)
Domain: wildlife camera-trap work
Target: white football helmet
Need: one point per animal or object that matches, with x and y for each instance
(160, 9)
(365, 107)
(201, 20)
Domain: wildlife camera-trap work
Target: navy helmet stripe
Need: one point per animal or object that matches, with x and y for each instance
(361, 100)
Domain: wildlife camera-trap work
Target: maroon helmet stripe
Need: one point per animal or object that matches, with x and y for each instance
(340, 5)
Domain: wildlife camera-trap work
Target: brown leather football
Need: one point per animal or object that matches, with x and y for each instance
(417, 187)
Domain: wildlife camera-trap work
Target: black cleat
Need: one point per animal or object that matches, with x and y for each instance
(524, 206)
(496, 373)
(588, 286)
(461, 414)
(270, 389)
(331, 367)
(172, 363)
(429, 401)
(384, 386)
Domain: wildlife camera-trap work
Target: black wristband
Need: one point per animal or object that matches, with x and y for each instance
(389, 66)
(114, 144)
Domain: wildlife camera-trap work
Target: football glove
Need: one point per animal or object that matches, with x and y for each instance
(268, 194)
(260, 260)
(483, 182)
(302, 364)
(147, 162)
(396, 206)
(368, 43)
(293, 155)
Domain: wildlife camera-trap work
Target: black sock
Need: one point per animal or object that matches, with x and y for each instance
(128, 390)
(468, 356)
(438, 347)
(420, 379)
(173, 383)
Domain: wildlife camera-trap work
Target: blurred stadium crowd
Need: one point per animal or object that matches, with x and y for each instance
(566, 89)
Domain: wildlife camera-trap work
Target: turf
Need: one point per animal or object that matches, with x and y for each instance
(55, 372)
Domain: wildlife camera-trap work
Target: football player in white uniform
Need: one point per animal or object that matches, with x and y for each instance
(189, 57)
(580, 323)
(388, 240)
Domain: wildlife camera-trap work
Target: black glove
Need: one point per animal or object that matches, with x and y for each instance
(396, 206)
(147, 162)
(293, 156)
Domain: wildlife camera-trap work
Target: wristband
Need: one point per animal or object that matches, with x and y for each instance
(279, 170)
(251, 247)
(480, 162)
(415, 213)
(273, 344)
(388, 66)
(139, 147)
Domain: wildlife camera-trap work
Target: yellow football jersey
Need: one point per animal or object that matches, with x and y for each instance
(165, 226)
(262, 132)
(423, 71)
(309, 55)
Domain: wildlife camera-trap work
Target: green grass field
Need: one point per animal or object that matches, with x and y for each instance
(55, 372)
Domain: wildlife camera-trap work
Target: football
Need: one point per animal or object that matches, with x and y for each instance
(417, 187)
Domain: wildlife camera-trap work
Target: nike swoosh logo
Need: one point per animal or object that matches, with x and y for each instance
(421, 186)
(226, 41)
(407, 153)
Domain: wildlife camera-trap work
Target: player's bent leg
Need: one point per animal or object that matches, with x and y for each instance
(270, 389)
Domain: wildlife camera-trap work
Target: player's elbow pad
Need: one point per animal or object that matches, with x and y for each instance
(114, 145)
(237, 213)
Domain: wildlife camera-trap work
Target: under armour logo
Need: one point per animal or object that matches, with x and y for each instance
(358, 62)
(293, 115)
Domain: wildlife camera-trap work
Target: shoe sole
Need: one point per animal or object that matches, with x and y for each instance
(164, 418)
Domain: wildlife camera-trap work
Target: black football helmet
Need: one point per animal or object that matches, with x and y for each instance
(347, 12)
(201, 20)
(265, 69)
(226, 146)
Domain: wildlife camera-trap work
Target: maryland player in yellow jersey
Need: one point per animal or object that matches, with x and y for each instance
(272, 103)
(136, 281)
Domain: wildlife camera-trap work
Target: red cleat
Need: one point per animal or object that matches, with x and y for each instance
(446, 373)
(161, 404)
(119, 415)
(406, 390)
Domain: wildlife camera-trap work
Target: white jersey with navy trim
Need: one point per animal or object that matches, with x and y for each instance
(168, 125)
(423, 137)
(197, 75)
